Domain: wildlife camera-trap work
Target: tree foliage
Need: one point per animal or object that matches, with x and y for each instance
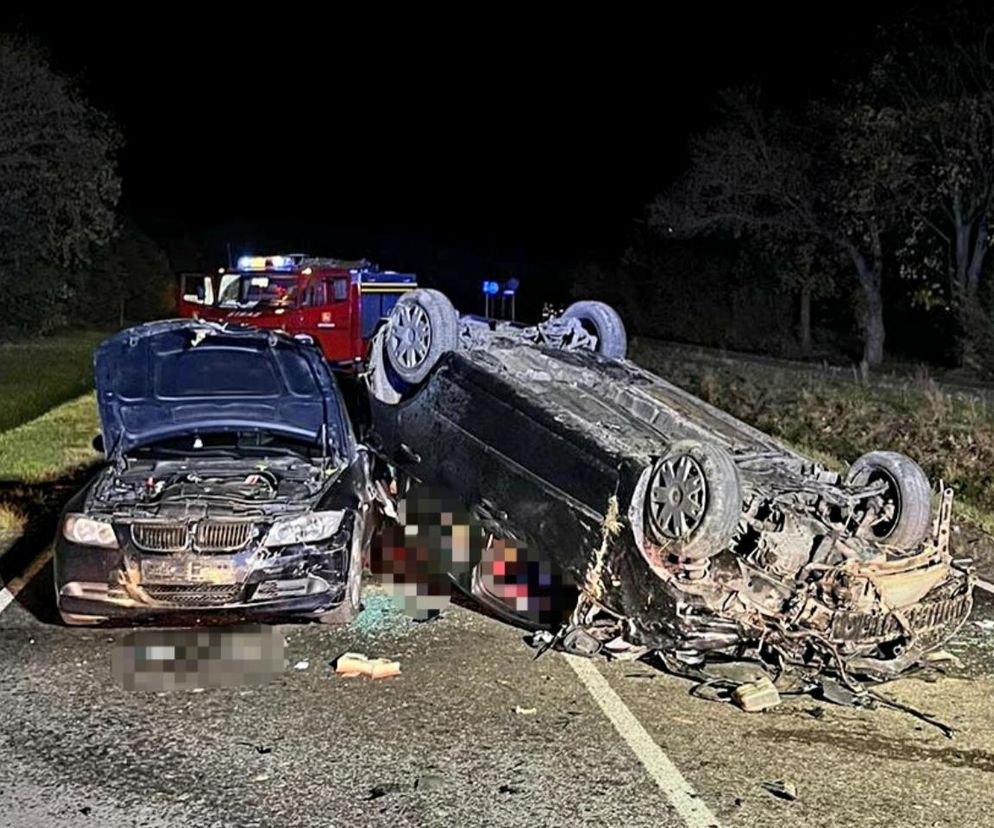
(819, 176)
(58, 184)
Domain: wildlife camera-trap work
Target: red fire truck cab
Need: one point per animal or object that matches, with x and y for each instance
(339, 303)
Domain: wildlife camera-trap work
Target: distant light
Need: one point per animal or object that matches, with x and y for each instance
(307, 271)
(220, 270)
(490, 288)
(508, 292)
(252, 263)
(265, 263)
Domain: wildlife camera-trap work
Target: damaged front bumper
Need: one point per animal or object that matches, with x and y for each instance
(305, 578)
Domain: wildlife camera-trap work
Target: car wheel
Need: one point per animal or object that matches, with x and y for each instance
(693, 501)
(604, 322)
(908, 494)
(422, 326)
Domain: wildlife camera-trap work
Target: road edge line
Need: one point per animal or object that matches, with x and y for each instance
(678, 791)
(10, 590)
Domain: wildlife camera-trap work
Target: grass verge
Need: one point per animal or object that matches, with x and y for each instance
(40, 373)
(52, 445)
(834, 420)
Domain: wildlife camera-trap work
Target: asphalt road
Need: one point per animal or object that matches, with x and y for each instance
(447, 743)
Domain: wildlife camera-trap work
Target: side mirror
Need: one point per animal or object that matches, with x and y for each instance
(98, 443)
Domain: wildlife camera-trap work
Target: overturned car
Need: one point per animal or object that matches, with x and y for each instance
(676, 528)
(233, 482)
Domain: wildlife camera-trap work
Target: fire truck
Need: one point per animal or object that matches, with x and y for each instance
(338, 303)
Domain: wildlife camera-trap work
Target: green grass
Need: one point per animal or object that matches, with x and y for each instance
(52, 445)
(834, 419)
(37, 374)
(12, 523)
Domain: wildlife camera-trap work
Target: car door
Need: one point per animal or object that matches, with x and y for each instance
(324, 313)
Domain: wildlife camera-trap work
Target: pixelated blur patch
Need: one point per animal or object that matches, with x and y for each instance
(436, 535)
(164, 660)
(527, 584)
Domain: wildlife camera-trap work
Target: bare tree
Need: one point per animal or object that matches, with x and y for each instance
(943, 96)
(783, 177)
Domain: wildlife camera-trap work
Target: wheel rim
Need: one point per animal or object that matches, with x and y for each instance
(410, 335)
(884, 527)
(677, 497)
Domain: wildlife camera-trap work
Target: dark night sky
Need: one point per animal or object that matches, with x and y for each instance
(541, 137)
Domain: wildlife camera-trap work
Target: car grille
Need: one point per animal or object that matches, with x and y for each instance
(222, 536)
(159, 537)
(194, 595)
(209, 536)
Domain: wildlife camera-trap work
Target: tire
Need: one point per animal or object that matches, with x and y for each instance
(907, 486)
(422, 327)
(693, 502)
(606, 324)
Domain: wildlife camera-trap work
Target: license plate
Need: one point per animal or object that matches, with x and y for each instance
(188, 571)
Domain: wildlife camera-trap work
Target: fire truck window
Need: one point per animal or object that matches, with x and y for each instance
(315, 295)
(198, 289)
(341, 288)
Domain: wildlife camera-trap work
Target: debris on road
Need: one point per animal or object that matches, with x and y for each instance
(301, 665)
(429, 782)
(378, 791)
(525, 711)
(358, 664)
(756, 696)
(782, 790)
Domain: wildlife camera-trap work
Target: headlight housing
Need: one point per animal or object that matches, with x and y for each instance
(89, 532)
(311, 527)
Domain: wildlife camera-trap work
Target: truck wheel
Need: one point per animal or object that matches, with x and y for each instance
(908, 494)
(693, 501)
(422, 326)
(604, 322)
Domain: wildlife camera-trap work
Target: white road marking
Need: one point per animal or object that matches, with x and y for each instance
(986, 585)
(10, 591)
(678, 791)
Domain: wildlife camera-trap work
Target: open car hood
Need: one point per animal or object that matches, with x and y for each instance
(168, 378)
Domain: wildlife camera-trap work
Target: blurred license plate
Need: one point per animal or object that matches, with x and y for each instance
(186, 571)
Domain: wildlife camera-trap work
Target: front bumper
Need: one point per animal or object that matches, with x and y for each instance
(109, 583)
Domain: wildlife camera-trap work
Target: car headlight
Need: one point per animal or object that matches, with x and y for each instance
(89, 532)
(312, 527)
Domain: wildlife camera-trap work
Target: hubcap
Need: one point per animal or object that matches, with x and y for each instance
(677, 497)
(410, 334)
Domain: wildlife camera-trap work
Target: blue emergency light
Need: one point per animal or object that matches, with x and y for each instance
(490, 288)
(265, 263)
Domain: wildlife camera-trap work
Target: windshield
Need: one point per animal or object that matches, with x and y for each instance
(242, 290)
